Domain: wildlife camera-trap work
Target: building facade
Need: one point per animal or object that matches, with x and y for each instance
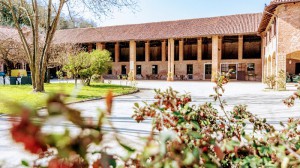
(254, 46)
(280, 32)
(194, 49)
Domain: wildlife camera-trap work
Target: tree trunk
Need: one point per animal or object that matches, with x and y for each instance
(32, 70)
(89, 81)
(101, 79)
(48, 76)
(39, 82)
(75, 78)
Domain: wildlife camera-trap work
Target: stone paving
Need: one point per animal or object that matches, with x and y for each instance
(266, 104)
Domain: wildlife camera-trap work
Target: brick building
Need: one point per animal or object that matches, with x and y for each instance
(280, 32)
(185, 49)
(253, 45)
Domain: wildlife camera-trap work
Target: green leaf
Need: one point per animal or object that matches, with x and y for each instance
(210, 165)
(129, 149)
(25, 163)
(196, 125)
(176, 113)
(195, 134)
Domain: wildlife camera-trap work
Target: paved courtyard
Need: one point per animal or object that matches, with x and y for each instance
(266, 104)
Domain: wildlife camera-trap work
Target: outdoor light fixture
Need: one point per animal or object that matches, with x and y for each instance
(290, 62)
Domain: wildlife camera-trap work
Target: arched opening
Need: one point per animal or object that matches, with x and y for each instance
(293, 64)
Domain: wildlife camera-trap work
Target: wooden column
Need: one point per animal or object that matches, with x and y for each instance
(100, 46)
(171, 53)
(199, 49)
(117, 52)
(215, 57)
(163, 51)
(181, 50)
(147, 51)
(132, 53)
(241, 46)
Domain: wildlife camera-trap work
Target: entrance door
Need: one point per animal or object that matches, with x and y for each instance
(190, 71)
(297, 71)
(207, 70)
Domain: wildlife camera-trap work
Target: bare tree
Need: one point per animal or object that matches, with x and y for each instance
(47, 22)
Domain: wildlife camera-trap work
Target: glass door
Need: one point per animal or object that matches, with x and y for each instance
(207, 70)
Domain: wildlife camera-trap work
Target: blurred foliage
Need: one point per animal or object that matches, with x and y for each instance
(183, 135)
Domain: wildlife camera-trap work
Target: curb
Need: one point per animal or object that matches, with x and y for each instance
(100, 98)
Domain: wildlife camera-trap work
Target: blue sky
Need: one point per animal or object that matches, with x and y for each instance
(164, 10)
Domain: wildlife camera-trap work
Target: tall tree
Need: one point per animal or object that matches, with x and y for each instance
(47, 23)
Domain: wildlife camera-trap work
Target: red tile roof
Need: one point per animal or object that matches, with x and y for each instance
(223, 25)
(283, 1)
(269, 11)
(12, 33)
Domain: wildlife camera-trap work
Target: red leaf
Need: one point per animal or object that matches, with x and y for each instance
(219, 152)
(109, 100)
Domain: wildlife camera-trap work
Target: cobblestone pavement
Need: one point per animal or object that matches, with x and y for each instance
(266, 104)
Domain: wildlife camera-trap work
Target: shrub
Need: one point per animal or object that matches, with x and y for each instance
(271, 81)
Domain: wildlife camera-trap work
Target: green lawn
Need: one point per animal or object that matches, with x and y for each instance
(23, 93)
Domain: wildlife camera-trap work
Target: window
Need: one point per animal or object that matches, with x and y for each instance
(270, 33)
(111, 48)
(124, 52)
(189, 69)
(275, 26)
(155, 51)
(251, 67)
(190, 49)
(252, 47)
(224, 68)
(94, 46)
(84, 47)
(109, 72)
(176, 52)
(208, 68)
(140, 51)
(206, 48)
(139, 69)
(124, 71)
(154, 70)
(230, 47)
